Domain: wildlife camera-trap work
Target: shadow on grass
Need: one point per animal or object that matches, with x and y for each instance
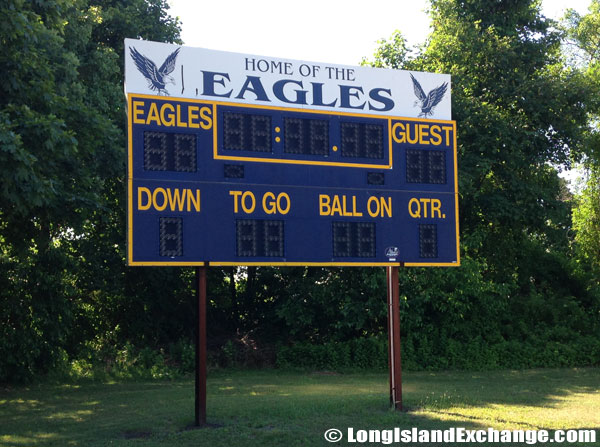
(265, 408)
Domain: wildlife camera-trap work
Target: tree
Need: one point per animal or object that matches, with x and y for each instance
(521, 112)
(586, 223)
(60, 181)
(583, 34)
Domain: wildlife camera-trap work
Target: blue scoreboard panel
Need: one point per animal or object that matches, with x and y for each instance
(243, 184)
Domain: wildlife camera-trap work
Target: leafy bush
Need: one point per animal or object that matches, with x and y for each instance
(361, 353)
(477, 354)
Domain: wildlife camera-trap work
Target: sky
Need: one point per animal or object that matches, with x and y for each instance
(333, 31)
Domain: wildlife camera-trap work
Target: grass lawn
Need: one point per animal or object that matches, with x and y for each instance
(275, 408)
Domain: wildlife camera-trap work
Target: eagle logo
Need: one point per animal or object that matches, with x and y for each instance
(157, 78)
(428, 102)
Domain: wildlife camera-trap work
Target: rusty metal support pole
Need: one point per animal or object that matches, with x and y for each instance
(390, 341)
(395, 359)
(200, 401)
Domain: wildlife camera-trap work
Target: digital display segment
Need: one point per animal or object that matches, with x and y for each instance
(425, 166)
(306, 136)
(233, 171)
(247, 132)
(354, 239)
(428, 241)
(259, 238)
(362, 140)
(164, 151)
(375, 178)
(171, 236)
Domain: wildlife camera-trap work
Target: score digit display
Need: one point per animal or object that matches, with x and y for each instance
(301, 179)
(245, 132)
(306, 136)
(354, 239)
(362, 140)
(169, 152)
(425, 166)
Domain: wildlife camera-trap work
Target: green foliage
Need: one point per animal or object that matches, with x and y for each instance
(586, 223)
(462, 319)
(527, 293)
(183, 354)
(63, 164)
(362, 353)
(583, 32)
(109, 361)
(423, 353)
(520, 110)
(393, 53)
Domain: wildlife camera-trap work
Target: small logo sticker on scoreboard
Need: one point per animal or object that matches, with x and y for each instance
(392, 253)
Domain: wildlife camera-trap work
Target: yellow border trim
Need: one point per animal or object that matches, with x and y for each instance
(218, 156)
(129, 182)
(296, 264)
(286, 109)
(432, 264)
(301, 162)
(270, 264)
(456, 196)
(131, 262)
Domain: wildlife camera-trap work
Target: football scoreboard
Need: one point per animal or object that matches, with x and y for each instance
(237, 159)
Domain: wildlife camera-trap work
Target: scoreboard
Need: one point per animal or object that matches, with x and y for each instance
(269, 171)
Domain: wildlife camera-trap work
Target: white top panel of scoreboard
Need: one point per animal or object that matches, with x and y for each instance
(196, 73)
